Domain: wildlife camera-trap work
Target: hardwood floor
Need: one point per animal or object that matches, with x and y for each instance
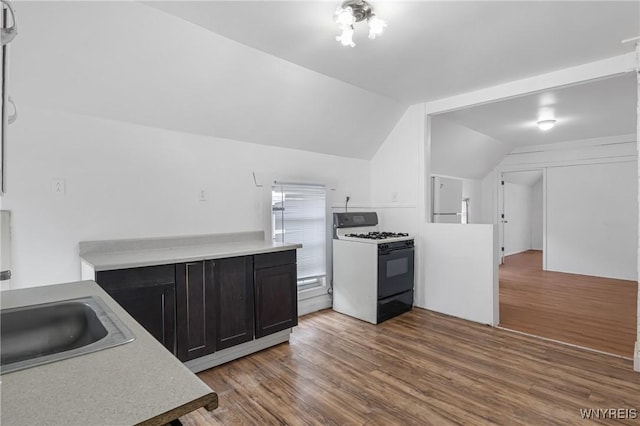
(597, 313)
(419, 368)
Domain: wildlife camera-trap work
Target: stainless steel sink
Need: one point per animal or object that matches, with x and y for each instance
(39, 334)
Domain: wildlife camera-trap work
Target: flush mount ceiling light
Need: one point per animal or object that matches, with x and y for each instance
(546, 124)
(353, 11)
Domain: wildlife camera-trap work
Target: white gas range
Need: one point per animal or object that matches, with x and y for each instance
(372, 270)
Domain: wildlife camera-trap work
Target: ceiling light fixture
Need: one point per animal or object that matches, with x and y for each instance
(546, 124)
(353, 11)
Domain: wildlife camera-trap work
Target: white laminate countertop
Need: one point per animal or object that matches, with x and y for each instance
(109, 260)
(124, 385)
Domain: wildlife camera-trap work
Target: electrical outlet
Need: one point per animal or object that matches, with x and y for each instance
(202, 195)
(58, 187)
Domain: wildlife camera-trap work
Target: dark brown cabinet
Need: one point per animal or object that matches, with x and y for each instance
(148, 295)
(195, 309)
(233, 284)
(276, 298)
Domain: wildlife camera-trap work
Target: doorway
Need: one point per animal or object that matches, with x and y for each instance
(582, 305)
(521, 222)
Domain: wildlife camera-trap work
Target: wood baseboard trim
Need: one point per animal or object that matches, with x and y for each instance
(220, 357)
(636, 358)
(570, 344)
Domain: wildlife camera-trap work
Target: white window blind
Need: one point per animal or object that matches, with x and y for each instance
(299, 216)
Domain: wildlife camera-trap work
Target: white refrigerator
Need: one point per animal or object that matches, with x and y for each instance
(447, 203)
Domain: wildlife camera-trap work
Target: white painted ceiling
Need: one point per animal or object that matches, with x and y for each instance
(271, 72)
(431, 49)
(595, 109)
(472, 141)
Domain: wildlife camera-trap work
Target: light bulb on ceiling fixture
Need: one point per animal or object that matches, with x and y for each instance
(344, 17)
(546, 124)
(376, 26)
(346, 38)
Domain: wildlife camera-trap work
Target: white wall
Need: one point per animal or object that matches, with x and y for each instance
(129, 181)
(517, 211)
(489, 212)
(461, 272)
(395, 166)
(472, 189)
(459, 151)
(395, 174)
(592, 219)
(398, 183)
(537, 207)
(459, 263)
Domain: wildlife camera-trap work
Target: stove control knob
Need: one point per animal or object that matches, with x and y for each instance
(383, 247)
(409, 243)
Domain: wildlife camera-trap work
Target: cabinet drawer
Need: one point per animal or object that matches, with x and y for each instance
(136, 277)
(278, 258)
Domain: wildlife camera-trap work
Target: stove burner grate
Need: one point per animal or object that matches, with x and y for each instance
(378, 235)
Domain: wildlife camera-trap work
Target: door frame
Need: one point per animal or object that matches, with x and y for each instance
(500, 210)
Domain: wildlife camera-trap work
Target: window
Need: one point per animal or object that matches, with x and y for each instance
(298, 215)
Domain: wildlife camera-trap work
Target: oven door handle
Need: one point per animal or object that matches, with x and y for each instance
(383, 252)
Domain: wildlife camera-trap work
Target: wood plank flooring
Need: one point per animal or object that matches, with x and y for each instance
(420, 368)
(597, 313)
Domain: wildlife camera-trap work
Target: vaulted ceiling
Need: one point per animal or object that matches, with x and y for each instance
(271, 72)
(431, 49)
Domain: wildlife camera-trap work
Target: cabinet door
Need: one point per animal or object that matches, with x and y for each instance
(148, 295)
(234, 296)
(276, 299)
(154, 308)
(195, 310)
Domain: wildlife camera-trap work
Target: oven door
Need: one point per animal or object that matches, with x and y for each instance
(395, 272)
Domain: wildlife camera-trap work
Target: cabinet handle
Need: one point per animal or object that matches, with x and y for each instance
(13, 117)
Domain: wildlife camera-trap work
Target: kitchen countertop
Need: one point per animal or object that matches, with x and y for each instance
(139, 382)
(120, 254)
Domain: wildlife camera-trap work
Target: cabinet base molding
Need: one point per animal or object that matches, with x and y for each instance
(235, 352)
(313, 304)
